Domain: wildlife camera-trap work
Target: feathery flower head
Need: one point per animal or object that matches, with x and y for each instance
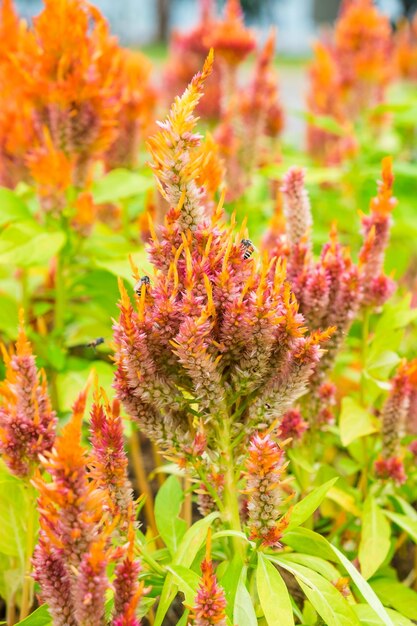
(230, 38)
(186, 55)
(377, 288)
(297, 208)
(69, 505)
(137, 99)
(214, 323)
(394, 418)
(174, 149)
(75, 541)
(128, 591)
(292, 425)
(51, 169)
(92, 583)
(406, 48)
(27, 421)
(363, 43)
(109, 464)
(54, 580)
(265, 466)
(210, 602)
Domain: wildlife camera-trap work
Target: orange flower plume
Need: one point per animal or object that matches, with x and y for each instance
(27, 422)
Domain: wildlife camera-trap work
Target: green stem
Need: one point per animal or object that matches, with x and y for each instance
(28, 584)
(363, 482)
(60, 298)
(25, 293)
(231, 514)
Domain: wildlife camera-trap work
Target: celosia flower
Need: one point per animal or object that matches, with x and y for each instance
(74, 548)
(27, 421)
(324, 98)
(363, 46)
(265, 466)
(219, 338)
(205, 501)
(330, 291)
(230, 38)
(90, 592)
(85, 212)
(393, 421)
(70, 505)
(187, 52)
(54, 579)
(51, 169)
(127, 588)
(292, 425)
(176, 144)
(210, 602)
(348, 76)
(406, 48)
(137, 102)
(377, 288)
(109, 464)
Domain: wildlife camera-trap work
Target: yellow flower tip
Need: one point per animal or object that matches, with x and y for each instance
(387, 172)
(208, 65)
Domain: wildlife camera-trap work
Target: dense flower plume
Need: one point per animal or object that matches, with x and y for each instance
(249, 114)
(210, 602)
(265, 466)
(396, 416)
(349, 74)
(27, 421)
(80, 98)
(216, 334)
(406, 49)
(331, 290)
(109, 465)
(76, 526)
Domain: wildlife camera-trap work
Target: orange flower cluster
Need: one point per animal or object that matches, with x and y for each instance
(70, 96)
(247, 114)
(349, 74)
(210, 602)
(27, 421)
(406, 49)
(80, 507)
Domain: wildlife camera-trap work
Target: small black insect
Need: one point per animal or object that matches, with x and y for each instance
(95, 342)
(248, 248)
(145, 280)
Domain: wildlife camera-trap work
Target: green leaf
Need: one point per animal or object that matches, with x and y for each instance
(367, 616)
(26, 244)
(273, 594)
(409, 525)
(230, 580)
(39, 617)
(168, 504)
(323, 595)
(354, 421)
(319, 565)
(243, 611)
(306, 540)
(185, 555)
(120, 184)
(375, 538)
(12, 208)
(186, 580)
(306, 507)
(14, 505)
(365, 589)
(406, 507)
(396, 595)
(382, 363)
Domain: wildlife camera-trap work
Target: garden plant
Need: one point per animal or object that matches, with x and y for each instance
(208, 396)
